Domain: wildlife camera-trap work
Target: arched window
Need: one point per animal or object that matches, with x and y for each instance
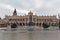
(39, 24)
(20, 24)
(23, 23)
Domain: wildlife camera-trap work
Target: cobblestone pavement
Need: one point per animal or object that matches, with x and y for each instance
(52, 33)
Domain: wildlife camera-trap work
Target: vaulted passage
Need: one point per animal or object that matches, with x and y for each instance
(20, 24)
(13, 25)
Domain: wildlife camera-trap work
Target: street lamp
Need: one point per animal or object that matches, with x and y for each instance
(59, 20)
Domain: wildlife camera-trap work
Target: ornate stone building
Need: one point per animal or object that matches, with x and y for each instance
(3, 23)
(24, 20)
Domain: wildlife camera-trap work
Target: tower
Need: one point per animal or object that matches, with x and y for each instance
(30, 18)
(30, 13)
(15, 13)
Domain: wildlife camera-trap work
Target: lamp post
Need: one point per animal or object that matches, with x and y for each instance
(59, 20)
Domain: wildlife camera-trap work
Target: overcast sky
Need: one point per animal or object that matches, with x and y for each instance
(39, 7)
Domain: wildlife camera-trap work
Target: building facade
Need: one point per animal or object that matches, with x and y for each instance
(24, 20)
(3, 23)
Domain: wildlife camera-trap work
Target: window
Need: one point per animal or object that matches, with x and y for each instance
(23, 20)
(33, 19)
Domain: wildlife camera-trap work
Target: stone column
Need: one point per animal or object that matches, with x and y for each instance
(35, 24)
(22, 24)
(9, 26)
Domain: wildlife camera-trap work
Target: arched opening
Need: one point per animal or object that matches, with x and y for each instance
(8, 23)
(33, 24)
(23, 24)
(49, 23)
(17, 22)
(45, 25)
(20, 24)
(39, 24)
(13, 25)
(26, 24)
(52, 24)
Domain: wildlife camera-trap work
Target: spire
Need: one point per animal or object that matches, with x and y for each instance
(30, 13)
(15, 13)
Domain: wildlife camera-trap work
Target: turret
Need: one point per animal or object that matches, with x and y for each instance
(15, 13)
(30, 13)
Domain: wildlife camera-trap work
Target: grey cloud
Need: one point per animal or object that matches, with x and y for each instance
(49, 7)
